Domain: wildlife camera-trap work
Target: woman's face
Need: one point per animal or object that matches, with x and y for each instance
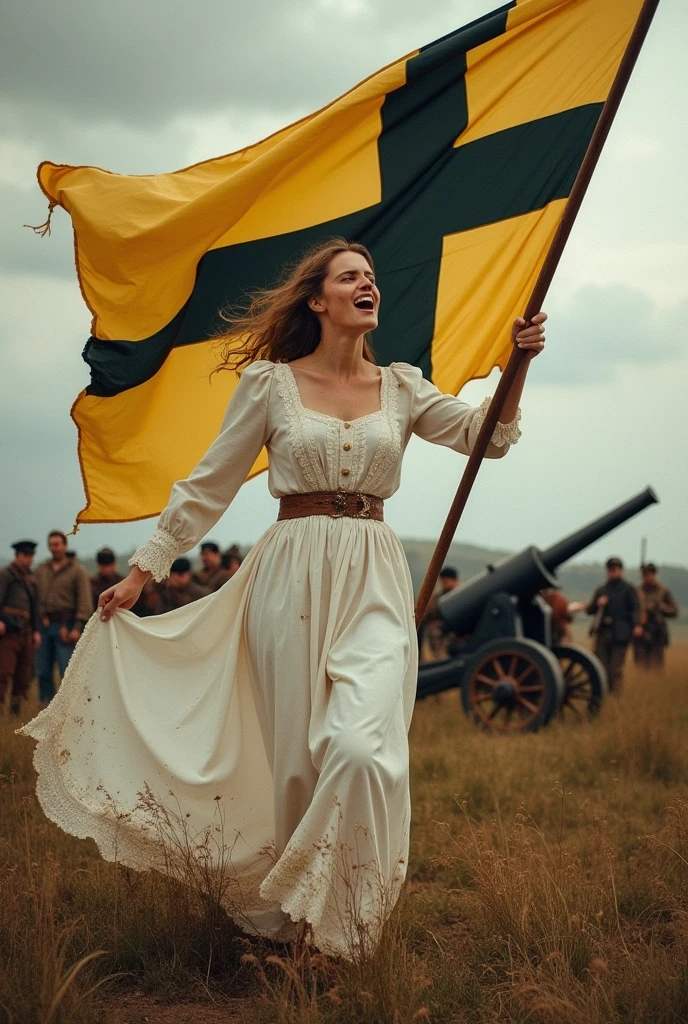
(349, 298)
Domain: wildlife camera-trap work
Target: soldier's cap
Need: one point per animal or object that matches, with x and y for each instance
(210, 545)
(613, 563)
(106, 556)
(25, 547)
(181, 565)
(650, 567)
(449, 573)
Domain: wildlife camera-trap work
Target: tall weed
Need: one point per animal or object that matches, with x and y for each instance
(548, 882)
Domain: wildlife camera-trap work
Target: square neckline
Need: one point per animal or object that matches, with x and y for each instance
(317, 414)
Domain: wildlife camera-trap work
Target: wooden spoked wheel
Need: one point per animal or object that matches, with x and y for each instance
(585, 682)
(512, 686)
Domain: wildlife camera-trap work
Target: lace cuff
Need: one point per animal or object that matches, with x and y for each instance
(157, 555)
(504, 433)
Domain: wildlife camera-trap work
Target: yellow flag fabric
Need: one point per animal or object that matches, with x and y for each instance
(453, 165)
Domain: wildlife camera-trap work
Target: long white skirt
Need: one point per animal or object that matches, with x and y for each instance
(254, 741)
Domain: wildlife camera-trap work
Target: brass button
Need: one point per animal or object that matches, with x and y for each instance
(345, 472)
(346, 447)
(346, 426)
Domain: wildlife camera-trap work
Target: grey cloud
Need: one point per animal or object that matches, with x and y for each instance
(43, 326)
(130, 87)
(144, 89)
(599, 329)
(141, 62)
(148, 87)
(23, 251)
(127, 149)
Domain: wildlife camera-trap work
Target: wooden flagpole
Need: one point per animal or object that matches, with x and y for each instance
(536, 299)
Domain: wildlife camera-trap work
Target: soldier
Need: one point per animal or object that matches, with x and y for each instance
(213, 574)
(107, 574)
(435, 638)
(657, 604)
(147, 600)
(178, 590)
(65, 605)
(19, 624)
(561, 615)
(616, 608)
(231, 559)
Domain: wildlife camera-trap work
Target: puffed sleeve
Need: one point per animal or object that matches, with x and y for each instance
(445, 419)
(197, 503)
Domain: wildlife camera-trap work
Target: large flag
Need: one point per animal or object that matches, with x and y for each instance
(452, 165)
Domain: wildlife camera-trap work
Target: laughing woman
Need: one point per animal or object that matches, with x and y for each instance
(261, 732)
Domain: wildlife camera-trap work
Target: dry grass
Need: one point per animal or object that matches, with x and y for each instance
(549, 883)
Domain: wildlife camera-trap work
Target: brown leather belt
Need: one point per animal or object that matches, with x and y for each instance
(56, 616)
(21, 613)
(332, 503)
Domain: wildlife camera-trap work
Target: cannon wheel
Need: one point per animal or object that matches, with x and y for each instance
(512, 686)
(585, 681)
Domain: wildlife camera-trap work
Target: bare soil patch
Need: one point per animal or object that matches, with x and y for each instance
(137, 1008)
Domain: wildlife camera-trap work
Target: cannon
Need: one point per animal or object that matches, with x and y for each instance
(512, 678)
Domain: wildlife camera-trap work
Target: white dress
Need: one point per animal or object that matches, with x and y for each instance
(258, 737)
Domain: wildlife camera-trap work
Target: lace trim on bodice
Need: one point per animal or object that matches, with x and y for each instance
(300, 432)
(504, 433)
(388, 451)
(157, 555)
(303, 444)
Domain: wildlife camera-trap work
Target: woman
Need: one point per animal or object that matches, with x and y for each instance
(261, 732)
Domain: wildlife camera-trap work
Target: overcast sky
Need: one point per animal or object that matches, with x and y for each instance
(146, 88)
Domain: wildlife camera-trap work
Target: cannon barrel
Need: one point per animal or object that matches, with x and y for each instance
(523, 575)
(560, 552)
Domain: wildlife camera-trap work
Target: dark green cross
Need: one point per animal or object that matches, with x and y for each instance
(430, 188)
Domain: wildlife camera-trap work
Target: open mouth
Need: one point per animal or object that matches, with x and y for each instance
(365, 303)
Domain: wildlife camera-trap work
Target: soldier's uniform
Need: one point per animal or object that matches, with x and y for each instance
(432, 634)
(19, 613)
(214, 577)
(99, 582)
(612, 628)
(435, 639)
(147, 599)
(167, 597)
(177, 592)
(561, 616)
(65, 602)
(657, 604)
(231, 559)
(211, 579)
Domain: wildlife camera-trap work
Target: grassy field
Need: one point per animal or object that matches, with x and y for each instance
(548, 883)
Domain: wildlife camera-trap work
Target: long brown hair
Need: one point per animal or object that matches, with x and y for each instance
(278, 323)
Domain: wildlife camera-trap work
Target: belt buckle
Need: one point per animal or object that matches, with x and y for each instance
(364, 511)
(339, 505)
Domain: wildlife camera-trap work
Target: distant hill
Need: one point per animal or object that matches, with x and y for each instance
(577, 580)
